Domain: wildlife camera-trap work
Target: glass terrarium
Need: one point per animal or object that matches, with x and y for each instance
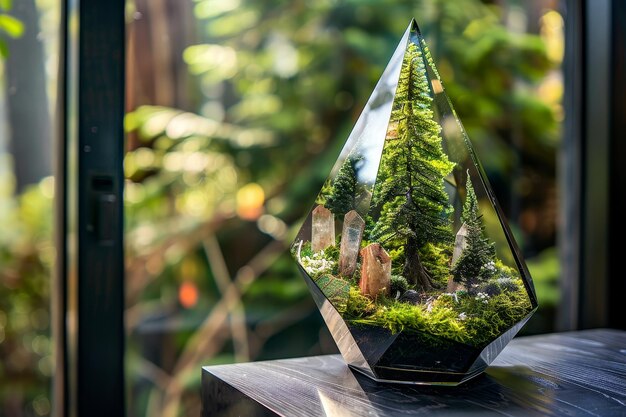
(406, 252)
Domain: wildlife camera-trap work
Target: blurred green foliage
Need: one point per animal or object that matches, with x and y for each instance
(26, 246)
(26, 257)
(9, 26)
(545, 270)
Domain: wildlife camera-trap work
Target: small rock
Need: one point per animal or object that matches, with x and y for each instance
(411, 296)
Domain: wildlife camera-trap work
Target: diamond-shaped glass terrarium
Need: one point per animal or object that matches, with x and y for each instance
(406, 252)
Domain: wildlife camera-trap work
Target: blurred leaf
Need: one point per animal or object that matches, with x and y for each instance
(11, 26)
(545, 269)
(211, 8)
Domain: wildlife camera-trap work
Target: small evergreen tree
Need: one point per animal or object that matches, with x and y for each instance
(479, 251)
(344, 189)
(410, 193)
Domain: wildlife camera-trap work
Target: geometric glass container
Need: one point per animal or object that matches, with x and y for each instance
(406, 252)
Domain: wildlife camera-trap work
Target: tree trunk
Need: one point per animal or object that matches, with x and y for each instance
(414, 270)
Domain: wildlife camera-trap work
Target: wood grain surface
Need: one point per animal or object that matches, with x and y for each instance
(566, 374)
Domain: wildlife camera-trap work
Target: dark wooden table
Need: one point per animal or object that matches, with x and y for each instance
(565, 374)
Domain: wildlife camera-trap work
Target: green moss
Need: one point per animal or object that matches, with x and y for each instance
(504, 271)
(358, 305)
(401, 316)
(332, 253)
(398, 317)
(472, 319)
(487, 317)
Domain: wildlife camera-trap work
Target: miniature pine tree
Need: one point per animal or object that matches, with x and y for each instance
(410, 193)
(479, 250)
(342, 196)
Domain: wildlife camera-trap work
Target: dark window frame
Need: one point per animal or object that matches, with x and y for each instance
(617, 170)
(591, 162)
(88, 297)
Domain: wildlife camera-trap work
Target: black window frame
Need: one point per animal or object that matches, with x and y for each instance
(591, 171)
(88, 289)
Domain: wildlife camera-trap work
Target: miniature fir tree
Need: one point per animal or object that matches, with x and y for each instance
(410, 193)
(479, 250)
(342, 196)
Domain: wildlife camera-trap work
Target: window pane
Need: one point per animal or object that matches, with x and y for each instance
(28, 71)
(236, 112)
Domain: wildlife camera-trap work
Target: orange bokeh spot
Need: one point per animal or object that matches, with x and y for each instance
(188, 294)
(250, 200)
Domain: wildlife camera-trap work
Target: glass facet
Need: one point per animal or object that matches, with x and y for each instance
(406, 252)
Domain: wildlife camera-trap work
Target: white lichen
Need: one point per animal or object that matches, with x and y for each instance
(481, 296)
(316, 264)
